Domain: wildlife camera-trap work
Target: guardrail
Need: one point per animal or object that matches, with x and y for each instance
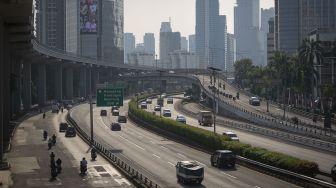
(133, 174)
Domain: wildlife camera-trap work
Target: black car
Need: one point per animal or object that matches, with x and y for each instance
(122, 119)
(115, 127)
(114, 108)
(115, 112)
(223, 158)
(70, 132)
(103, 113)
(63, 127)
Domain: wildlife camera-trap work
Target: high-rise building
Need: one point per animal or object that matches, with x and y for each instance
(266, 14)
(220, 50)
(270, 40)
(231, 54)
(209, 27)
(182, 59)
(192, 44)
(247, 30)
(129, 45)
(90, 34)
(149, 43)
(184, 43)
(294, 19)
(165, 27)
(50, 19)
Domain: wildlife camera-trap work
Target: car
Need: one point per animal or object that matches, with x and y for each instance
(103, 113)
(143, 105)
(115, 127)
(181, 119)
(157, 108)
(189, 171)
(122, 119)
(163, 95)
(115, 112)
(223, 158)
(231, 135)
(166, 113)
(114, 108)
(255, 101)
(70, 132)
(149, 101)
(170, 100)
(63, 127)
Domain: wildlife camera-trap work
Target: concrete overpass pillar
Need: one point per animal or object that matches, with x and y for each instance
(1, 86)
(69, 82)
(42, 82)
(59, 82)
(27, 95)
(5, 86)
(82, 82)
(16, 86)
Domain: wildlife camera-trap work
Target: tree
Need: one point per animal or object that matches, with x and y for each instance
(241, 69)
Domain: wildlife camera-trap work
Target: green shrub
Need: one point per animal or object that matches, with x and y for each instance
(213, 142)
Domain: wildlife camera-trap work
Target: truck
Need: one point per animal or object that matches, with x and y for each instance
(205, 118)
(189, 172)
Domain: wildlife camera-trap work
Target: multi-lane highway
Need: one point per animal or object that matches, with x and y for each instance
(262, 109)
(156, 156)
(325, 159)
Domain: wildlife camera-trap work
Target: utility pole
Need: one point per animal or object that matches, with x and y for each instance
(214, 96)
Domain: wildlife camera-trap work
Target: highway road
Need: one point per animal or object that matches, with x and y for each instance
(157, 156)
(262, 109)
(325, 159)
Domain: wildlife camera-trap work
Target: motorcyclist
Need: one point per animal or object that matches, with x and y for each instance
(93, 154)
(49, 143)
(53, 139)
(83, 166)
(45, 135)
(59, 165)
(44, 115)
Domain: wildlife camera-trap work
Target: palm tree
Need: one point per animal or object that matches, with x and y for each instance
(279, 63)
(311, 55)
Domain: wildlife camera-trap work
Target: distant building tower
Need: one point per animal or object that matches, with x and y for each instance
(270, 40)
(149, 43)
(192, 44)
(184, 43)
(50, 23)
(266, 14)
(165, 27)
(129, 45)
(231, 54)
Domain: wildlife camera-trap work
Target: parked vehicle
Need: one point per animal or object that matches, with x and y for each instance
(149, 101)
(205, 118)
(157, 108)
(166, 113)
(170, 100)
(122, 119)
(63, 127)
(103, 113)
(143, 105)
(115, 127)
(181, 119)
(189, 172)
(70, 132)
(231, 135)
(255, 101)
(223, 158)
(115, 112)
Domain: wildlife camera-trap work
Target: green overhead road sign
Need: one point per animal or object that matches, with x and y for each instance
(110, 97)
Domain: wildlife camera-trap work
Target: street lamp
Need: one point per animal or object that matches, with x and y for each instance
(214, 70)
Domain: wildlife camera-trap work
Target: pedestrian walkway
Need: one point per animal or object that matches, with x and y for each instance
(30, 161)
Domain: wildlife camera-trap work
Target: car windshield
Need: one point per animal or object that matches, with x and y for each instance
(232, 135)
(122, 117)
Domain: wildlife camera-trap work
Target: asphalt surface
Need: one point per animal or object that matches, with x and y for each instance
(157, 156)
(243, 102)
(29, 158)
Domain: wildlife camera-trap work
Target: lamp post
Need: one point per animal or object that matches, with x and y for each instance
(214, 70)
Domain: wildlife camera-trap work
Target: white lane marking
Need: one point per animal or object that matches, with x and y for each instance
(157, 156)
(163, 147)
(257, 187)
(132, 143)
(229, 175)
(171, 163)
(201, 163)
(181, 155)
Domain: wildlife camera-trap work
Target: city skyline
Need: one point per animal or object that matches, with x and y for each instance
(182, 19)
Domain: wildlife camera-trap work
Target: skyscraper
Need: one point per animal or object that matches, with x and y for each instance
(231, 54)
(90, 34)
(184, 43)
(50, 19)
(247, 30)
(270, 40)
(149, 43)
(129, 45)
(266, 14)
(165, 27)
(294, 19)
(192, 43)
(209, 27)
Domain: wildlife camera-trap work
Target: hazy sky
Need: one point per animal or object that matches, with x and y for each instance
(145, 16)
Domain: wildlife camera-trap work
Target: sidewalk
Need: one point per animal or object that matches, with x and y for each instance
(29, 159)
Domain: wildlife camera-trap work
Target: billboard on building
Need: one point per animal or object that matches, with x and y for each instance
(88, 16)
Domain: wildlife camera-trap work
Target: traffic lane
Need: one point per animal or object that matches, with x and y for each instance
(244, 174)
(160, 151)
(324, 159)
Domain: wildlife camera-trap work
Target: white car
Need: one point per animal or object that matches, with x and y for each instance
(231, 135)
(181, 119)
(166, 113)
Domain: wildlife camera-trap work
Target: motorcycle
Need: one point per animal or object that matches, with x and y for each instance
(93, 154)
(44, 115)
(45, 135)
(83, 169)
